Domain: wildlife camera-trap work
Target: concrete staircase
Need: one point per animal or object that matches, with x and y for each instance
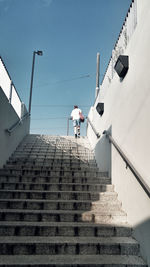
(57, 209)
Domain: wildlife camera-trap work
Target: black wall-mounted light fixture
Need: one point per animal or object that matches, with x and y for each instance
(122, 66)
(100, 108)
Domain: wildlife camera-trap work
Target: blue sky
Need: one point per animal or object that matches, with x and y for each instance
(70, 33)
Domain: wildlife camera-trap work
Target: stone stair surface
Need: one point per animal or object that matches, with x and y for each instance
(58, 209)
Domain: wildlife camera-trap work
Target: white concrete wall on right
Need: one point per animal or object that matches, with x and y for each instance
(127, 115)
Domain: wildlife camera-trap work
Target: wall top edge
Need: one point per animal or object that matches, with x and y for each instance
(10, 77)
(129, 9)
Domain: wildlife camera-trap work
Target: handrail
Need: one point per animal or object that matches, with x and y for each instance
(88, 120)
(129, 164)
(94, 130)
(68, 125)
(16, 124)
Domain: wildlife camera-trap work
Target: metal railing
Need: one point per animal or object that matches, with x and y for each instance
(88, 120)
(16, 124)
(68, 126)
(93, 128)
(129, 164)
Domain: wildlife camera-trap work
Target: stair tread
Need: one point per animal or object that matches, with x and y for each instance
(67, 239)
(58, 169)
(96, 212)
(57, 191)
(65, 224)
(97, 202)
(25, 175)
(100, 177)
(75, 184)
(71, 260)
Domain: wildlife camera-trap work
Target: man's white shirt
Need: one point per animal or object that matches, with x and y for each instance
(75, 114)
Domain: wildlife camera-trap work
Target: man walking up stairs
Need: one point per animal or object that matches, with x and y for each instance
(58, 209)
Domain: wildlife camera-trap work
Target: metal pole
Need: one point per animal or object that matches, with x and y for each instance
(67, 126)
(10, 94)
(97, 75)
(32, 74)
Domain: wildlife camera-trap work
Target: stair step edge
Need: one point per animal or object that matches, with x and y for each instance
(71, 260)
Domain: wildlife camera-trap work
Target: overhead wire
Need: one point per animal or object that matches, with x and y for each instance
(48, 128)
(52, 118)
(71, 79)
(54, 105)
(67, 80)
(49, 105)
(45, 105)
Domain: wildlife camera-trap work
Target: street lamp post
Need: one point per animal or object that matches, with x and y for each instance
(39, 53)
(97, 75)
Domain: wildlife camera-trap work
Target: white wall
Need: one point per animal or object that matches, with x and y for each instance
(127, 115)
(9, 89)
(8, 117)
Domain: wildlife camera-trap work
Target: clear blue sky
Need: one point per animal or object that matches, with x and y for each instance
(70, 33)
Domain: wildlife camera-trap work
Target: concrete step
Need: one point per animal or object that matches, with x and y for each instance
(54, 152)
(63, 229)
(49, 155)
(50, 163)
(72, 159)
(51, 173)
(71, 261)
(52, 160)
(59, 204)
(57, 209)
(56, 144)
(57, 186)
(48, 166)
(40, 155)
(62, 146)
(57, 195)
(19, 245)
(49, 158)
(67, 167)
(48, 179)
(80, 143)
(56, 147)
(95, 216)
(53, 168)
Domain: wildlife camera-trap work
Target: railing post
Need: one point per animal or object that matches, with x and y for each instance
(67, 126)
(10, 94)
(22, 109)
(97, 75)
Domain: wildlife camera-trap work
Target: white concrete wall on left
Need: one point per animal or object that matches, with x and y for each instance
(8, 117)
(9, 89)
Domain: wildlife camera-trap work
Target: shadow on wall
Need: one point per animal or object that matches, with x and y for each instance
(8, 118)
(103, 154)
(141, 232)
(143, 229)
